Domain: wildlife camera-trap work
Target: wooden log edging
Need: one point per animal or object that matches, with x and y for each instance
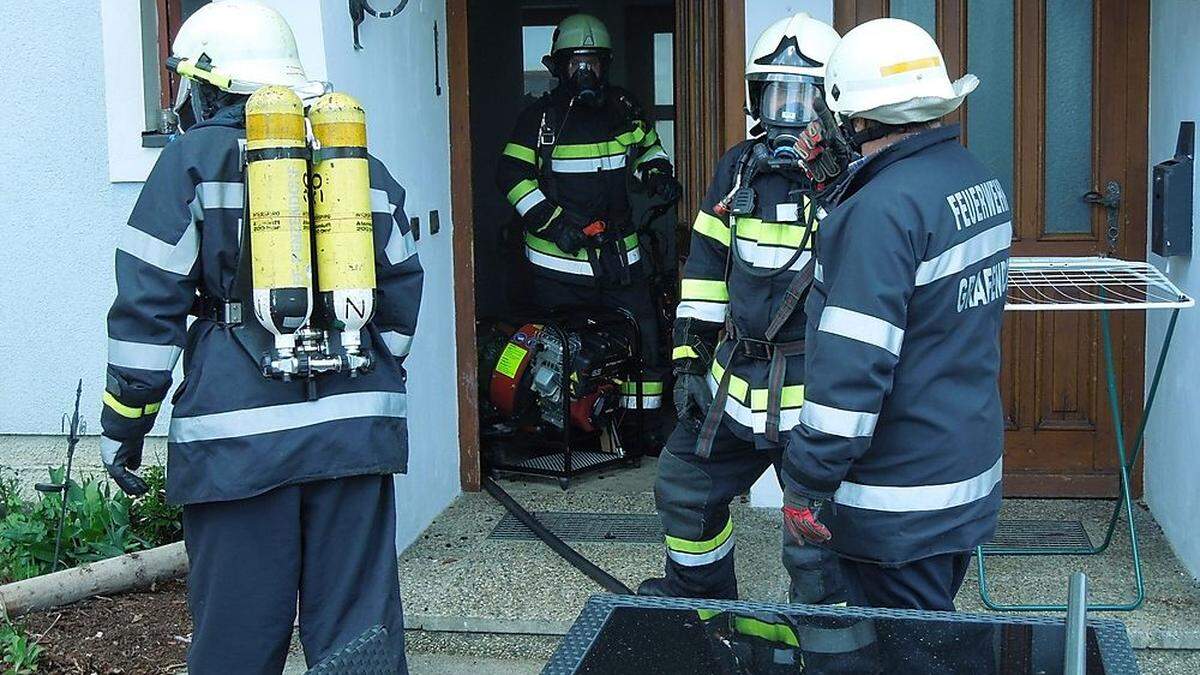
(103, 577)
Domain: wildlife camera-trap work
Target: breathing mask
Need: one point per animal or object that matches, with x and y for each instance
(787, 105)
(585, 76)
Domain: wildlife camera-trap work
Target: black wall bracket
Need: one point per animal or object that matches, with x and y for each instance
(1172, 213)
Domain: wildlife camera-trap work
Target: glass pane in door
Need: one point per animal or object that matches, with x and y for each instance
(1068, 113)
(990, 108)
(921, 12)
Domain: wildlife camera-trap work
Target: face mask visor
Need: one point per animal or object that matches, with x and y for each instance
(789, 102)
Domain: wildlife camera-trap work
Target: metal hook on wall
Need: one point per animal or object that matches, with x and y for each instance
(360, 8)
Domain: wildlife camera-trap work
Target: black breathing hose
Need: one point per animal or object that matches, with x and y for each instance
(608, 581)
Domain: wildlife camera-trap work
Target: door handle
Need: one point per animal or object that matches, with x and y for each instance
(1111, 201)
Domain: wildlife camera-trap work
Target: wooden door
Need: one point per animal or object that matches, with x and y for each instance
(1061, 111)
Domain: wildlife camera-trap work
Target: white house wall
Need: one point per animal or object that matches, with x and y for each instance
(60, 214)
(1172, 473)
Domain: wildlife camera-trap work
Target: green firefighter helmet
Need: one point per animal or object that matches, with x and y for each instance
(581, 33)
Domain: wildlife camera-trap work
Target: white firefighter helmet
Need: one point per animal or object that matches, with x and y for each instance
(791, 52)
(247, 44)
(892, 71)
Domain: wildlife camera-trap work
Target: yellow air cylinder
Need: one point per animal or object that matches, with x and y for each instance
(342, 226)
(280, 231)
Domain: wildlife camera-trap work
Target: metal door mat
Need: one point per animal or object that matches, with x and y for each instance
(580, 460)
(645, 528)
(1039, 534)
(623, 528)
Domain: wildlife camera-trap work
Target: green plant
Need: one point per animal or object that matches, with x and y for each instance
(101, 522)
(19, 654)
(96, 527)
(155, 522)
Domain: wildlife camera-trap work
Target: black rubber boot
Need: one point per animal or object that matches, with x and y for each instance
(656, 587)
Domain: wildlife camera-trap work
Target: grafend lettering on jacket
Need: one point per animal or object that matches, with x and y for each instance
(977, 203)
(983, 287)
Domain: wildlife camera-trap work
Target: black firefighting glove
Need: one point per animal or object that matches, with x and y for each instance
(121, 459)
(566, 231)
(692, 396)
(662, 184)
(824, 153)
(802, 518)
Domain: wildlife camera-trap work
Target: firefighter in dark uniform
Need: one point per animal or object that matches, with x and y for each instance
(750, 263)
(902, 432)
(567, 171)
(284, 497)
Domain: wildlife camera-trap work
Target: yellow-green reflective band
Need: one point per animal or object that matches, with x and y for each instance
(704, 289)
(712, 227)
(649, 388)
(520, 190)
(549, 248)
(517, 151)
(771, 632)
(655, 151)
(589, 150)
(688, 546)
(788, 235)
(651, 138)
(128, 411)
(744, 625)
(793, 394)
(684, 352)
(632, 137)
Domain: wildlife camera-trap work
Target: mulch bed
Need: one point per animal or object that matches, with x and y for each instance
(141, 632)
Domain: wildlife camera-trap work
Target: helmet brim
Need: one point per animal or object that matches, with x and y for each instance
(922, 108)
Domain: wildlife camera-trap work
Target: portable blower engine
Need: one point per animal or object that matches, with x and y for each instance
(568, 368)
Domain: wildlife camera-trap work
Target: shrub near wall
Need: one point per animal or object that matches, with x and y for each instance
(101, 522)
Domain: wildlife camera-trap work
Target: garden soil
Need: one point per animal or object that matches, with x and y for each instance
(143, 632)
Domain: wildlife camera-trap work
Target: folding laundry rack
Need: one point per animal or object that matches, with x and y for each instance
(1101, 285)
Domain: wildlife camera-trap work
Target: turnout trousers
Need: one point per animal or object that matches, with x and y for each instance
(930, 583)
(331, 544)
(693, 494)
(550, 294)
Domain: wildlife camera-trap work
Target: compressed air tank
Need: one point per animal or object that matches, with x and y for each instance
(342, 226)
(280, 228)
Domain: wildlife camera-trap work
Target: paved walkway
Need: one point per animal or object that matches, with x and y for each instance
(458, 583)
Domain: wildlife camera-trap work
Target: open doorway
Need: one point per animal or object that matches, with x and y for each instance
(496, 48)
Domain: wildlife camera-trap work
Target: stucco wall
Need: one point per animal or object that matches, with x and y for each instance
(1172, 474)
(59, 216)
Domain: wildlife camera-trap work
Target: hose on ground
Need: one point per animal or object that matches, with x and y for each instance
(608, 581)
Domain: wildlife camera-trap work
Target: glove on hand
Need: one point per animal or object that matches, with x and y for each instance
(664, 185)
(121, 459)
(692, 396)
(568, 234)
(824, 154)
(801, 517)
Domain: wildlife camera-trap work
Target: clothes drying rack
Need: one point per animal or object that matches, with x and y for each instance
(1104, 285)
